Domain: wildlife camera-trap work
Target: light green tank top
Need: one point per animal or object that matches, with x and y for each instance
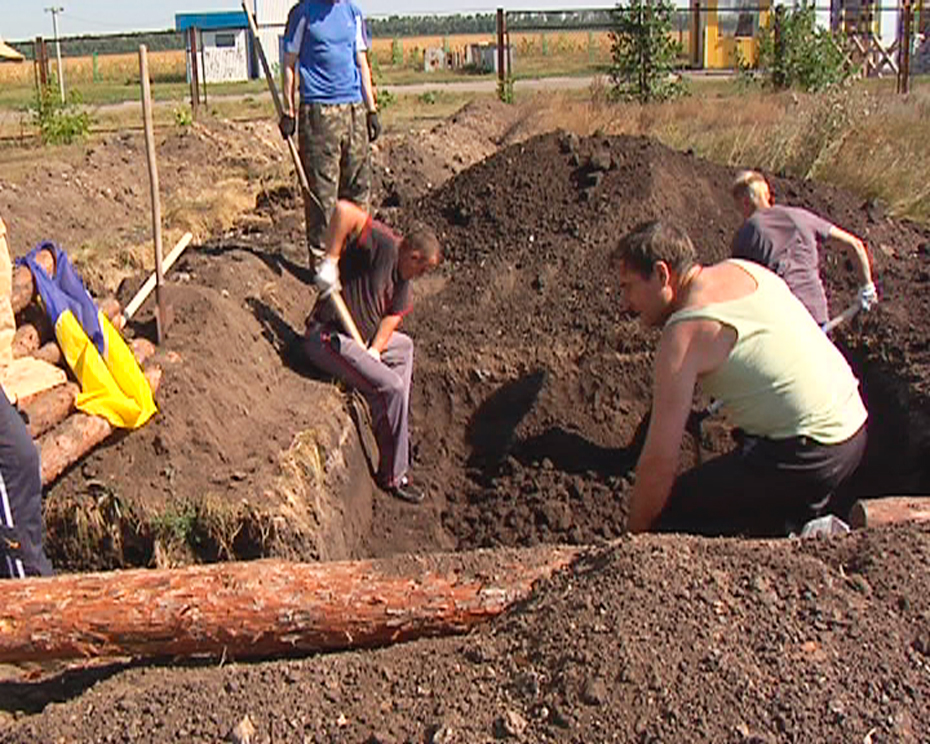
(784, 377)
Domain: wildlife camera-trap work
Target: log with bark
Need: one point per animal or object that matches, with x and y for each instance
(77, 435)
(265, 608)
(889, 510)
(26, 340)
(50, 407)
(24, 287)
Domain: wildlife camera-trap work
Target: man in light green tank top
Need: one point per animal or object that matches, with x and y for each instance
(736, 329)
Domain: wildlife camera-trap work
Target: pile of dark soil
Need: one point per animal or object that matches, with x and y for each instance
(531, 377)
(652, 640)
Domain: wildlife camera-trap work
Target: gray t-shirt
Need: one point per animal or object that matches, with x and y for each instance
(371, 283)
(784, 240)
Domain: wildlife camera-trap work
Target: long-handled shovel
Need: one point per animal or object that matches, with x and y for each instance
(335, 295)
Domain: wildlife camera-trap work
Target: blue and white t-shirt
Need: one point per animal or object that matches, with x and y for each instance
(326, 35)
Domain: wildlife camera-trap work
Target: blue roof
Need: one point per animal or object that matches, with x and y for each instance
(210, 21)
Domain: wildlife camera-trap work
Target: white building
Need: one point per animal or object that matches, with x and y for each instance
(224, 45)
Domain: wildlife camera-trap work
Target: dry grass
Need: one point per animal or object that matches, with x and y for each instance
(870, 143)
(111, 68)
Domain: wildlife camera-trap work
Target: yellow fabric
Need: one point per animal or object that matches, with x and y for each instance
(784, 377)
(115, 387)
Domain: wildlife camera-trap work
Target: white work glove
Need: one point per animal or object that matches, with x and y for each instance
(327, 276)
(374, 353)
(867, 296)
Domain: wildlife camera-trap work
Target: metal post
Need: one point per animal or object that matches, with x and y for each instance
(904, 50)
(161, 319)
(500, 45)
(696, 36)
(55, 10)
(195, 83)
(203, 66)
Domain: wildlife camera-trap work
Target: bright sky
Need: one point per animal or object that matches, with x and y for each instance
(21, 20)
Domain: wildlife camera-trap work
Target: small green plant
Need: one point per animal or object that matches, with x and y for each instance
(176, 523)
(386, 99)
(429, 97)
(644, 54)
(505, 89)
(183, 117)
(544, 44)
(795, 52)
(59, 123)
(397, 52)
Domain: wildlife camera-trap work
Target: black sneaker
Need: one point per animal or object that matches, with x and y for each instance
(405, 491)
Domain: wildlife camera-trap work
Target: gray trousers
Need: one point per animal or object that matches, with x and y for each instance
(385, 385)
(21, 526)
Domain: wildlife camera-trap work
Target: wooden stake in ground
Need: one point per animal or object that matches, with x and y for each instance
(265, 608)
(161, 318)
(136, 302)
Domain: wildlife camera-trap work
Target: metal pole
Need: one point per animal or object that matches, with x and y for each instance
(160, 316)
(195, 76)
(55, 10)
(500, 45)
(203, 66)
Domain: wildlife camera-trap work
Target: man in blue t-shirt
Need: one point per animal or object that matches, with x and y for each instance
(326, 56)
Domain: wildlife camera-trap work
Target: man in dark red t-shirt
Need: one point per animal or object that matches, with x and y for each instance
(373, 267)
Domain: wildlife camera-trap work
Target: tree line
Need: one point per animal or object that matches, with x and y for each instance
(390, 27)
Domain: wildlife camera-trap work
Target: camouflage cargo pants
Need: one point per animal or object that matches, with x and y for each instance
(336, 156)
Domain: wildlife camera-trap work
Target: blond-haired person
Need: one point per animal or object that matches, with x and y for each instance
(785, 240)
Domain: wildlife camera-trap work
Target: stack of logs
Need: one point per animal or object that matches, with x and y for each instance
(62, 434)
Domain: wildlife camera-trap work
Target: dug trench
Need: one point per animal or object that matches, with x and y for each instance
(530, 378)
(530, 382)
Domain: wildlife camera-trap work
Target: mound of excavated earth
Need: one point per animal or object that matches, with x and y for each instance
(530, 382)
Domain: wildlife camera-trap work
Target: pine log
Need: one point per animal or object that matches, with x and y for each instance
(50, 352)
(77, 435)
(265, 608)
(24, 287)
(26, 340)
(889, 510)
(50, 407)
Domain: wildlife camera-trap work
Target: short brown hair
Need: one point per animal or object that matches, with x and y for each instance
(423, 240)
(750, 184)
(651, 242)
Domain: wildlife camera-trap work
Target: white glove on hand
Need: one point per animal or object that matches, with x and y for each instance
(327, 276)
(374, 353)
(867, 296)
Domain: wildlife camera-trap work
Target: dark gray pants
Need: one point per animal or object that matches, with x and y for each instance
(764, 487)
(21, 526)
(385, 385)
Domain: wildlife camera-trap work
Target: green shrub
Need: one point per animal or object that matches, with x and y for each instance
(59, 123)
(802, 54)
(644, 54)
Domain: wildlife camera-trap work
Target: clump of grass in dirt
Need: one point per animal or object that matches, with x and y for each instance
(210, 211)
(868, 142)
